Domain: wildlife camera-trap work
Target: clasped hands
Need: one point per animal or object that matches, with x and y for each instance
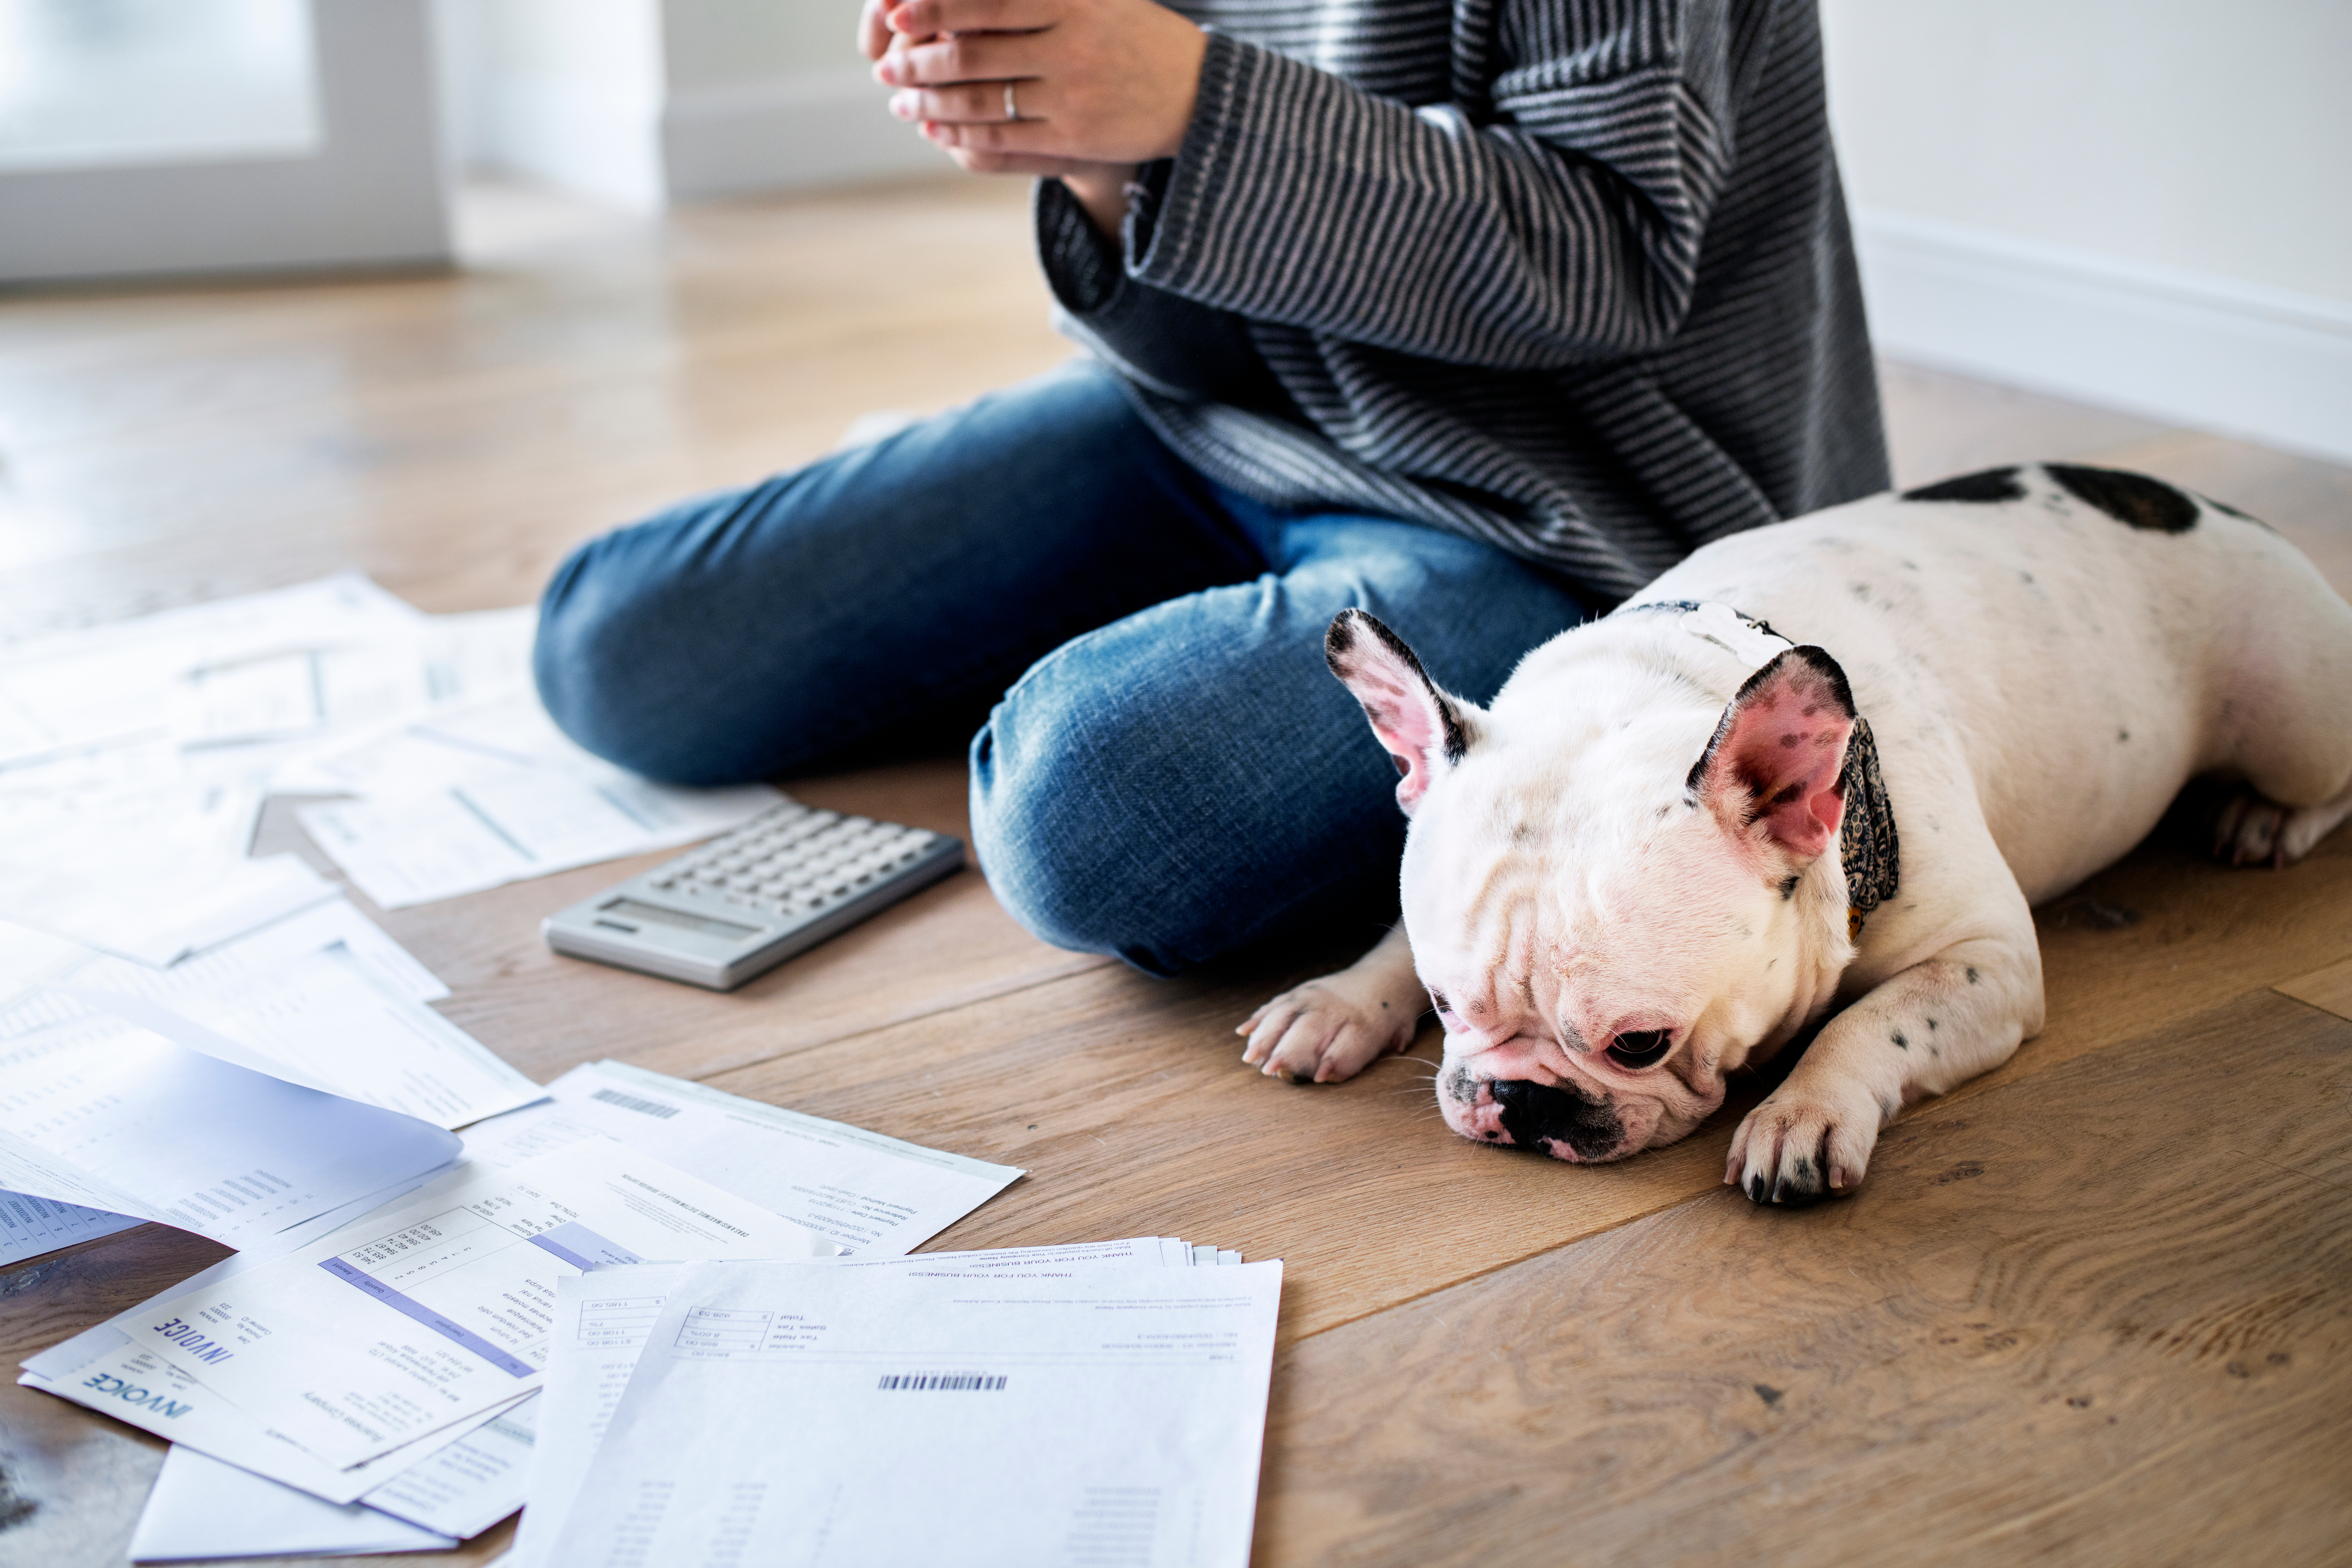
(1099, 86)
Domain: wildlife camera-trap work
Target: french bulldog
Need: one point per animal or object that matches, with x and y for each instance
(1819, 770)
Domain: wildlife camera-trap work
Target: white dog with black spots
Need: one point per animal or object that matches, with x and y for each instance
(1814, 778)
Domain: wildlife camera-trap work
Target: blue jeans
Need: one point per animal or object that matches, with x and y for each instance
(1164, 769)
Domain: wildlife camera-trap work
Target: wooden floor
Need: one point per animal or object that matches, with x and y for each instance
(2094, 1308)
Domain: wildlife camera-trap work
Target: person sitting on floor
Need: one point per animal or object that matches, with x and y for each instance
(1476, 316)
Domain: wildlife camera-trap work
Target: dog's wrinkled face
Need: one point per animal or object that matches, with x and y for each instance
(1614, 892)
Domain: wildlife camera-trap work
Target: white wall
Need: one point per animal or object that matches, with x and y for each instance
(568, 91)
(728, 43)
(646, 102)
(772, 94)
(2142, 203)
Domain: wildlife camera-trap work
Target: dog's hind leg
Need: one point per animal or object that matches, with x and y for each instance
(2251, 829)
(2283, 716)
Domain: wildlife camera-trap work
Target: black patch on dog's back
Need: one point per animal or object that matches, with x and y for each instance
(1985, 485)
(2234, 511)
(1535, 1114)
(2132, 498)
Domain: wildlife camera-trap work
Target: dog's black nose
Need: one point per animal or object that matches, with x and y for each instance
(1537, 1114)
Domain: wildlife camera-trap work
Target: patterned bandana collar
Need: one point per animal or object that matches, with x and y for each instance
(1868, 849)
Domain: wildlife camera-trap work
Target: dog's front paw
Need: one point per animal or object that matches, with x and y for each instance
(1798, 1148)
(1326, 1030)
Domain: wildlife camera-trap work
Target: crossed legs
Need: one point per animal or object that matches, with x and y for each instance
(1162, 768)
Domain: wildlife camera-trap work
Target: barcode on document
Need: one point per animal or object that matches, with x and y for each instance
(630, 1103)
(940, 1380)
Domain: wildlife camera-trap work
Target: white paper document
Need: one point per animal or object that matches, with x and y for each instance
(877, 1196)
(472, 1484)
(133, 757)
(603, 1321)
(452, 1495)
(30, 1226)
(459, 1480)
(153, 881)
(96, 1112)
(412, 1320)
(201, 1509)
(784, 1413)
(29, 958)
(33, 962)
(491, 793)
(113, 684)
(321, 1019)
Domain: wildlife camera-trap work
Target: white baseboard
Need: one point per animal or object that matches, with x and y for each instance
(818, 128)
(2265, 364)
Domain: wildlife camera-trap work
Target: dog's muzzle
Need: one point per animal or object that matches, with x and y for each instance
(1558, 1120)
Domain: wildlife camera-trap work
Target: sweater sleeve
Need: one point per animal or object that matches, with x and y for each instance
(1175, 345)
(1562, 226)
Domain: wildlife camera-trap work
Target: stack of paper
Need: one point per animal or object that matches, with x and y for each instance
(1088, 1404)
(388, 1370)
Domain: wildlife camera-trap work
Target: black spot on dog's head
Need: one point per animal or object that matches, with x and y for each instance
(2132, 498)
(1536, 1114)
(1986, 485)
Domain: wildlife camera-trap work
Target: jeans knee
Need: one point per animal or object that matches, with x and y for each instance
(1064, 848)
(1134, 809)
(600, 627)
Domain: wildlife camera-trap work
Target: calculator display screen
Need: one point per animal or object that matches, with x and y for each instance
(656, 915)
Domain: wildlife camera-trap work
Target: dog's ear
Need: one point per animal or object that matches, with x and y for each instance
(1778, 758)
(1425, 730)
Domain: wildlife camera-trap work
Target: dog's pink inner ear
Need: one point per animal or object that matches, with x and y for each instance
(1779, 755)
(1409, 715)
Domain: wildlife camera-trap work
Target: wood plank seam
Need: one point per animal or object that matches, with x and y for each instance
(971, 998)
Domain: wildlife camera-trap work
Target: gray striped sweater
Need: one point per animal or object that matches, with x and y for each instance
(1569, 276)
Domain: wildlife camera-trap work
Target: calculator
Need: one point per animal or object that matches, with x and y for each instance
(752, 897)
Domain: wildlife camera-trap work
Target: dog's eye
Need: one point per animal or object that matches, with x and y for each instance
(1437, 999)
(1644, 1048)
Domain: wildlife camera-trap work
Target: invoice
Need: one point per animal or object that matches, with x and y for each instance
(779, 1412)
(877, 1196)
(603, 1319)
(416, 1319)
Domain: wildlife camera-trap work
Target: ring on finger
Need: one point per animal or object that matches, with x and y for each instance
(1012, 108)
